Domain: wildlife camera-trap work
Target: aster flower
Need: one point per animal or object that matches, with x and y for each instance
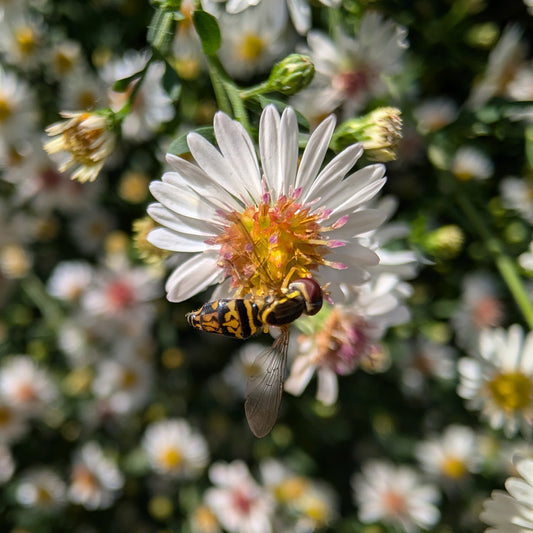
(480, 308)
(253, 40)
(450, 456)
(13, 423)
(264, 228)
(395, 495)
(26, 386)
(498, 380)
(95, 479)
(85, 140)
(151, 106)
(469, 163)
(7, 463)
(69, 280)
(41, 488)
(512, 511)
(174, 449)
(349, 72)
(239, 503)
(517, 194)
(435, 113)
(526, 259)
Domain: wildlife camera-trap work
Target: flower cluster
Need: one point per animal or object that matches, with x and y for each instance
(306, 171)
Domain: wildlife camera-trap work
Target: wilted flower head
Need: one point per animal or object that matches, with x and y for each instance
(87, 140)
(263, 228)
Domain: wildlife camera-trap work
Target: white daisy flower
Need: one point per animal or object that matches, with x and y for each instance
(242, 366)
(41, 488)
(124, 381)
(123, 294)
(239, 503)
(152, 105)
(211, 211)
(395, 495)
(26, 386)
(426, 359)
(83, 90)
(253, 40)
(498, 381)
(512, 511)
(517, 194)
(95, 480)
(310, 504)
(175, 449)
(435, 113)
(504, 60)
(480, 308)
(469, 163)
(18, 108)
(336, 343)
(451, 455)
(349, 72)
(7, 463)
(65, 58)
(69, 280)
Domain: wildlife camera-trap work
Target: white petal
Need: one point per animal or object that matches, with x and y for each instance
(269, 148)
(181, 224)
(366, 194)
(300, 12)
(288, 139)
(354, 254)
(213, 163)
(166, 239)
(314, 153)
(182, 201)
(238, 149)
(301, 373)
(334, 172)
(527, 354)
(328, 388)
(194, 177)
(193, 276)
(360, 222)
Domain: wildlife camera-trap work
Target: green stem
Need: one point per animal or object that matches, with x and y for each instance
(505, 264)
(218, 84)
(49, 308)
(256, 90)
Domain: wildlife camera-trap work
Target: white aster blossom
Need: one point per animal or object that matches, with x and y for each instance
(7, 463)
(239, 503)
(517, 194)
(512, 511)
(41, 488)
(450, 456)
(95, 480)
(470, 163)
(175, 449)
(351, 71)
(210, 210)
(69, 280)
(498, 380)
(395, 495)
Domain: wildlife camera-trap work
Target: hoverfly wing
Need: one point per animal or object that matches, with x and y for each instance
(264, 388)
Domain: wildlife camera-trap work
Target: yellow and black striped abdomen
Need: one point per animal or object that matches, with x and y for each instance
(232, 317)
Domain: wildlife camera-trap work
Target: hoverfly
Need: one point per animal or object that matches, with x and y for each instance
(242, 318)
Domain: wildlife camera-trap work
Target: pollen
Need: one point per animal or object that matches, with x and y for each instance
(170, 458)
(511, 391)
(265, 247)
(251, 47)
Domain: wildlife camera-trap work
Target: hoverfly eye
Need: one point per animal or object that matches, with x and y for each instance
(311, 293)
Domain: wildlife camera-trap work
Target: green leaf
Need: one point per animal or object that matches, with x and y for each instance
(123, 84)
(179, 146)
(207, 28)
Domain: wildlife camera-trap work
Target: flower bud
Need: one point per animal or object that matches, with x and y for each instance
(291, 74)
(445, 242)
(379, 132)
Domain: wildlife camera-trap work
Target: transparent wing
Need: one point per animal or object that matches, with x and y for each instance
(265, 387)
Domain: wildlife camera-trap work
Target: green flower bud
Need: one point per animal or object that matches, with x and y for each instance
(445, 242)
(291, 74)
(379, 132)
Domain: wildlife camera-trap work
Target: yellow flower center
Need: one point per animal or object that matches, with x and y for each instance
(170, 458)
(26, 40)
(251, 47)
(317, 510)
(511, 391)
(453, 468)
(43, 496)
(5, 109)
(267, 246)
(291, 489)
(129, 379)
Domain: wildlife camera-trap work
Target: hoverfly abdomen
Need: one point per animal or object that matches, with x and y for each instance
(231, 317)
